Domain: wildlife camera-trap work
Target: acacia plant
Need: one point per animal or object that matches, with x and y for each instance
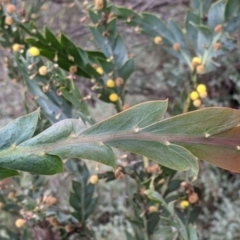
(50, 65)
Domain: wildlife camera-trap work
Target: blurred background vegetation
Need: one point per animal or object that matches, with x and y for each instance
(157, 75)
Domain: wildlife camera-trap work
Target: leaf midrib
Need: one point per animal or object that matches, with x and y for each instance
(102, 139)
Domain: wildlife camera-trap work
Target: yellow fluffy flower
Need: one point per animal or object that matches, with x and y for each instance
(196, 61)
(201, 88)
(33, 51)
(99, 70)
(194, 95)
(113, 97)
(110, 83)
(184, 204)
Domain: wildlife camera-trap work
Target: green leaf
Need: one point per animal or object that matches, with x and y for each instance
(204, 39)
(5, 173)
(128, 15)
(74, 96)
(206, 4)
(192, 233)
(152, 222)
(19, 130)
(71, 49)
(172, 156)
(94, 16)
(195, 4)
(53, 111)
(129, 236)
(216, 14)
(192, 32)
(177, 34)
(102, 42)
(62, 139)
(139, 116)
(231, 8)
(52, 40)
(120, 52)
(156, 197)
(209, 134)
(156, 26)
(233, 24)
(30, 161)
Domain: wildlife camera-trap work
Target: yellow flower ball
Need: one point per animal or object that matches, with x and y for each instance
(93, 179)
(203, 94)
(42, 70)
(16, 47)
(99, 70)
(201, 88)
(197, 103)
(152, 209)
(113, 97)
(158, 40)
(196, 61)
(194, 95)
(33, 51)
(184, 204)
(20, 223)
(110, 83)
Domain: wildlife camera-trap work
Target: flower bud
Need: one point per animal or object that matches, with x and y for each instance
(99, 4)
(152, 209)
(176, 46)
(158, 40)
(10, 8)
(218, 28)
(197, 103)
(93, 179)
(20, 222)
(73, 69)
(42, 70)
(119, 81)
(200, 69)
(193, 198)
(8, 20)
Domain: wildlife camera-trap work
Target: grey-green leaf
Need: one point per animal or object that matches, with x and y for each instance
(5, 173)
(216, 14)
(18, 130)
(136, 117)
